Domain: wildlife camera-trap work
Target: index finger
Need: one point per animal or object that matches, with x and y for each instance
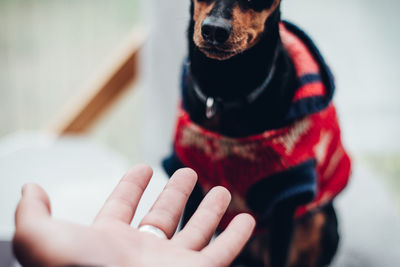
(123, 201)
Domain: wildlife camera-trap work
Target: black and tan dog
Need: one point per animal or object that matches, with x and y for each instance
(257, 118)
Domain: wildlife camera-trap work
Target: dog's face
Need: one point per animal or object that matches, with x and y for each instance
(225, 28)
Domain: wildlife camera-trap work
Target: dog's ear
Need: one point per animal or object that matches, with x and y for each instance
(191, 9)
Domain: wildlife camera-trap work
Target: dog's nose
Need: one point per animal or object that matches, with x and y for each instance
(216, 30)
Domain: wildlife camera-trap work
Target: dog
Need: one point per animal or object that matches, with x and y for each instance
(257, 117)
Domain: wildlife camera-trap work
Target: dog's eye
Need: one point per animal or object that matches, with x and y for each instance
(257, 5)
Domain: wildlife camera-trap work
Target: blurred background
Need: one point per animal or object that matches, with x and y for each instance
(50, 48)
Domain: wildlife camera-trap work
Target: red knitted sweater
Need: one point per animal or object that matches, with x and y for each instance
(241, 164)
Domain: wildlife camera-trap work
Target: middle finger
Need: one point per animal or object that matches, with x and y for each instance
(201, 227)
(167, 210)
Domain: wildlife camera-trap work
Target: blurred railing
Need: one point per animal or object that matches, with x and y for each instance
(48, 48)
(103, 89)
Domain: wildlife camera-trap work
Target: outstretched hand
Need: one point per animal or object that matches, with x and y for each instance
(40, 240)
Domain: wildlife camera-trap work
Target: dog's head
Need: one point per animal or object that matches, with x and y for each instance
(225, 28)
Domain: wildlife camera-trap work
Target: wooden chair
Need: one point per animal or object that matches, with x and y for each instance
(103, 90)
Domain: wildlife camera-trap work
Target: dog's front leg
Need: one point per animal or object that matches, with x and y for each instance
(271, 247)
(192, 204)
(282, 224)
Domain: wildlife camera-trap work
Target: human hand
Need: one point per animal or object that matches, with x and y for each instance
(40, 240)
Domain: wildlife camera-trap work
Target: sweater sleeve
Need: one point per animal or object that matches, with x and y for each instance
(171, 164)
(296, 186)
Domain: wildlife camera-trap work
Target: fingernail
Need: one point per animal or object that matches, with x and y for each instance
(23, 189)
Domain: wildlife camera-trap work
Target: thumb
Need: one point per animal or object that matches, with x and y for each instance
(34, 204)
(33, 207)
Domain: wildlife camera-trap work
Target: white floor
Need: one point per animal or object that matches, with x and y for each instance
(78, 176)
(369, 223)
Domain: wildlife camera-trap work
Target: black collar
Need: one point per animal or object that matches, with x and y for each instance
(213, 104)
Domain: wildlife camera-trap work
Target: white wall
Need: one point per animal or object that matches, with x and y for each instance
(360, 40)
(165, 53)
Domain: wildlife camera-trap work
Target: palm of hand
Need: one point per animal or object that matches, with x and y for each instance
(42, 241)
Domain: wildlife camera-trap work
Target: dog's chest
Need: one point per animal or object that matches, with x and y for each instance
(213, 123)
(238, 163)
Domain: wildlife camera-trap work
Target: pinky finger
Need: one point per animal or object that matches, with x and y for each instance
(230, 242)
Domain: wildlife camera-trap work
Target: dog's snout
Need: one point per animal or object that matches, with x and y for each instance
(216, 30)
